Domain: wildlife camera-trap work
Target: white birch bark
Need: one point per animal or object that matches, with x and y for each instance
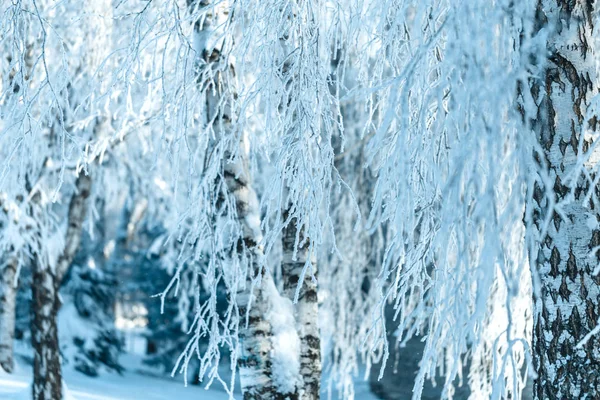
(569, 302)
(47, 376)
(8, 296)
(47, 379)
(298, 258)
(299, 263)
(255, 366)
(256, 374)
(8, 271)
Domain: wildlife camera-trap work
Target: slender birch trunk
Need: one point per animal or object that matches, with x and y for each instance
(254, 363)
(299, 274)
(295, 259)
(299, 264)
(77, 212)
(8, 271)
(47, 377)
(255, 366)
(569, 305)
(8, 296)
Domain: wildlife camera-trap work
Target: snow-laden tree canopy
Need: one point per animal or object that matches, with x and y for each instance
(394, 134)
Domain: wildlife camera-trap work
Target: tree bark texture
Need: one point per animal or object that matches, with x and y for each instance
(569, 304)
(295, 258)
(47, 377)
(8, 271)
(77, 213)
(254, 363)
(296, 254)
(8, 296)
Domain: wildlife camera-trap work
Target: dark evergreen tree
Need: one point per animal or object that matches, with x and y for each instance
(167, 330)
(99, 344)
(91, 288)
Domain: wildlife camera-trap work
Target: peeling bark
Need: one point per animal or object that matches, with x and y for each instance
(47, 377)
(8, 296)
(569, 305)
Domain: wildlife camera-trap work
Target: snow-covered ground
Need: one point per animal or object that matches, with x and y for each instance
(134, 384)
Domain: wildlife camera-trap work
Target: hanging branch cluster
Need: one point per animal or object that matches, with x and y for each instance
(385, 143)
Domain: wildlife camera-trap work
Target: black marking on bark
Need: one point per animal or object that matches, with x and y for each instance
(310, 295)
(538, 193)
(560, 189)
(553, 295)
(545, 313)
(566, 349)
(575, 323)
(564, 290)
(313, 341)
(547, 114)
(548, 241)
(554, 262)
(593, 123)
(555, 326)
(583, 292)
(556, 219)
(572, 265)
(293, 280)
(562, 146)
(590, 311)
(237, 179)
(595, 242)
(574, 139)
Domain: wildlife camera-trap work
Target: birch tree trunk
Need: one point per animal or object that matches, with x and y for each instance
(8, 271)
(256, 374)
(295, 258)
(47, 377)
(569, 305)
(296, 252)
(255, 366)
(47, 380)
(8, 296)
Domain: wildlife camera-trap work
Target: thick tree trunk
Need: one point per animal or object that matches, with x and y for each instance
(47, 379)
(8, 296)
(569, 305)
(295, 258)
